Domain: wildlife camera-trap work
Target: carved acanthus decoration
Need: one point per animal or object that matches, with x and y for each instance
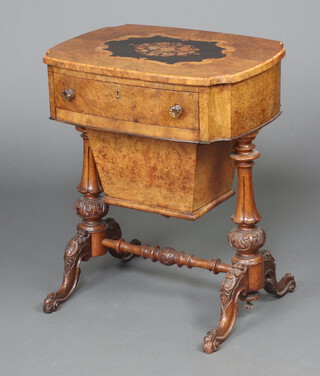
(245, 240)
(230, 282)
(234, 284)
(73, 248)
(91, 208)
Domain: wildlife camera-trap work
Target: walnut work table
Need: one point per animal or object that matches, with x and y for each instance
(166, 116)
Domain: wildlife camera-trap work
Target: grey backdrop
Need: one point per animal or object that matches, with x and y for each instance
(141, 318)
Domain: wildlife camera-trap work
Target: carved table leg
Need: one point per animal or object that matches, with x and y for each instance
(285, 285)
(233, 284)
(76, 250)
(253, 269)
(91, 230)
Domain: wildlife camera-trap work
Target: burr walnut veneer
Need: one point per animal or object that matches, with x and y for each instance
(166, 116)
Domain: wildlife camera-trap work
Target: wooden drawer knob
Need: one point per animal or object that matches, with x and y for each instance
(175, 111)
(68, 94)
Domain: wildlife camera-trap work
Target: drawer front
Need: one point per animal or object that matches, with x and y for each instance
(126, 102)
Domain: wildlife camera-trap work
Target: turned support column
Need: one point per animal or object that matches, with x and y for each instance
(90, 231)
(91, 207)
(247, 276)
(252, 269)
(247, 238)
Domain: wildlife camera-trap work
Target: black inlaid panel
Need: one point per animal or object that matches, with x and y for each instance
(164, 49)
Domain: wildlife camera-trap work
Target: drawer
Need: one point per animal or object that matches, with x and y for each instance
(126, 102)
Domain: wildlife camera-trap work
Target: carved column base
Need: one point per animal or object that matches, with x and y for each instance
(233, 285)
(91, 210)
(281, 288)
(77, 250)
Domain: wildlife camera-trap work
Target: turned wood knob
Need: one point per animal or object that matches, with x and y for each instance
(68, 94)
(175, 111)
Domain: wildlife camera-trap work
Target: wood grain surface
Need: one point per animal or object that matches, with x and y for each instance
(171, 178)
(219, 112)
(244, 56)
(127, 102)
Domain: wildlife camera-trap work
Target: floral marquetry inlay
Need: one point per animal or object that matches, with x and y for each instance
(165, 49)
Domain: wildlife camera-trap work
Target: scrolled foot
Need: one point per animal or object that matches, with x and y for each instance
(51, 304)
(76, 250)
(233, 285)
(114, 232)
(211, 343)
(281, 288)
